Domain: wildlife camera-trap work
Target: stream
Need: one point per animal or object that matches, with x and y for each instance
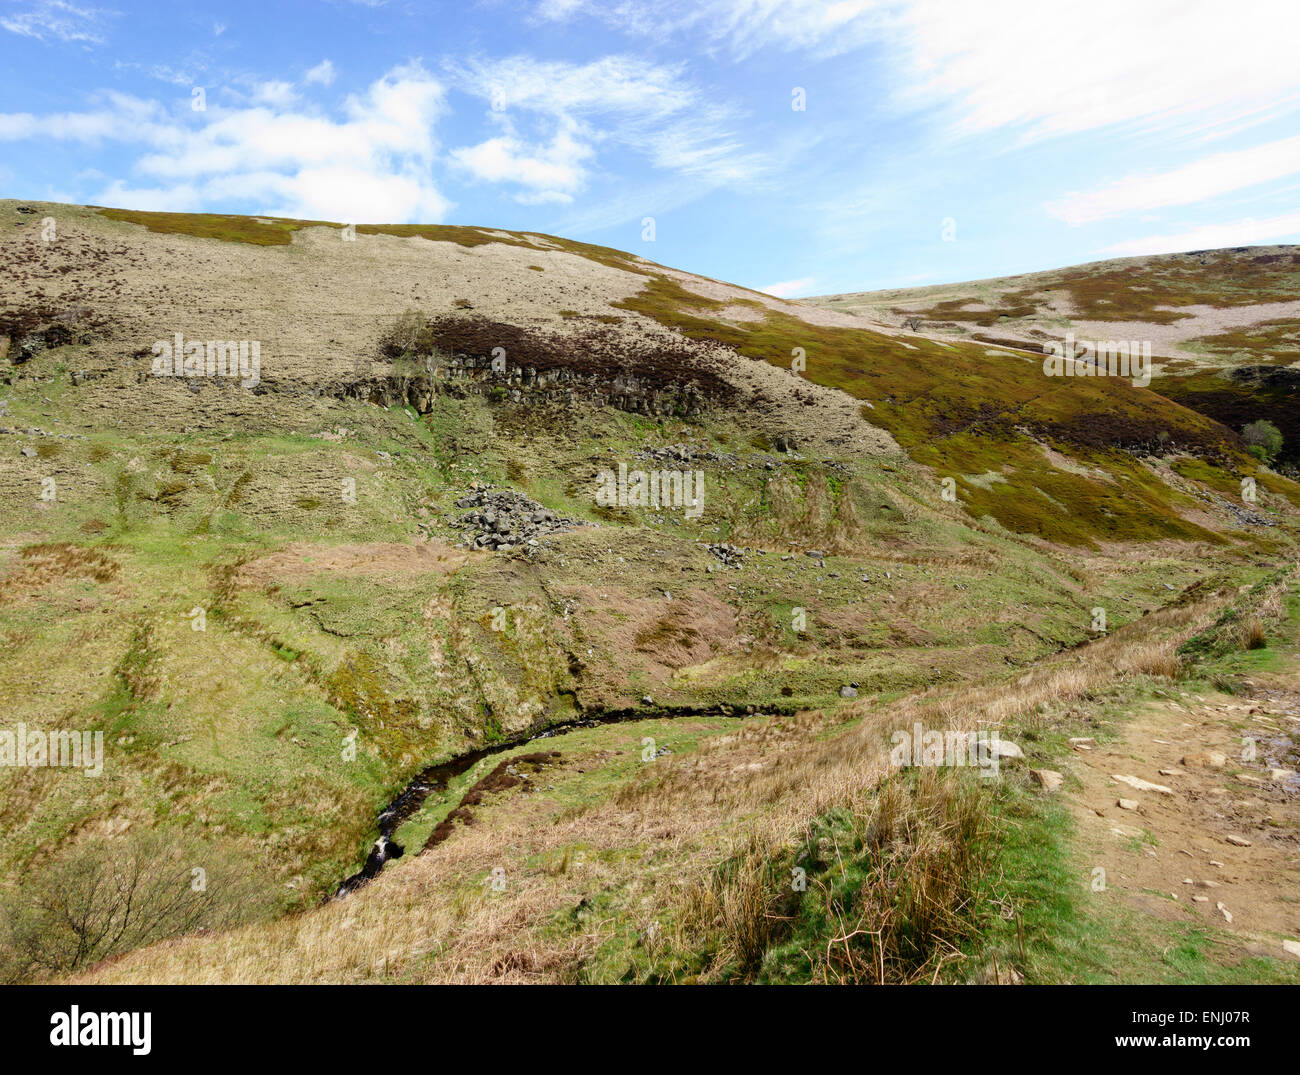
(436, 777)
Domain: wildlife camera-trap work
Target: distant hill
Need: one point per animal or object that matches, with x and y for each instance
(1216, 320)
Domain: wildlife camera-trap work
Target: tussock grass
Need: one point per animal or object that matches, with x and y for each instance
(915, 839)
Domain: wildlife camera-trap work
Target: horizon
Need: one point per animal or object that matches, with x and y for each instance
(801, 149)
(939, 284)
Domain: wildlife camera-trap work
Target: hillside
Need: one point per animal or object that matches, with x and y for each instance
(1224, 325)
(321, 604)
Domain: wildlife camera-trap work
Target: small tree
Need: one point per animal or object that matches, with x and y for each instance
(409, 334)
(1263, 439)
(108, 896)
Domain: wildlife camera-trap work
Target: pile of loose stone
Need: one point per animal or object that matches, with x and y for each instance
(728, 554)
(683, 453)
(502, 518)
(1245, 516)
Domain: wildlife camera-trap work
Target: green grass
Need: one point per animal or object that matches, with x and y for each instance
(968, 414)
(1275, 342)
(260, 231)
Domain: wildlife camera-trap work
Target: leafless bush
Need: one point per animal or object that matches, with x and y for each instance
(109, 896)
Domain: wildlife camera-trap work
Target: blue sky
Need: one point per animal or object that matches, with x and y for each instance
(940, 140)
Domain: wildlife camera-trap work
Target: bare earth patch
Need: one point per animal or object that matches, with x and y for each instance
(303, 560)
(1224, 849)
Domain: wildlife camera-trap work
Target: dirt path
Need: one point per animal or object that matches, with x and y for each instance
(1220, 844)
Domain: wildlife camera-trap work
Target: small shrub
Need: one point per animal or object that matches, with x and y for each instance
(1263, 439)
(409, 335)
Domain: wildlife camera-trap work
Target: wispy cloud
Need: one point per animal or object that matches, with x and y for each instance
(1042, 68)
(652, 109)
(1186, 185)
(738, 27)
(1052, 69)
(790, 288)
(321, 75)
(56, 20)
(1248, 232)
(553, 171)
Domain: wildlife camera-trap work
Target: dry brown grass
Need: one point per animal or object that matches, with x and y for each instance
(47, 564)
(745, 799)
(926, 845)
(1253, 635)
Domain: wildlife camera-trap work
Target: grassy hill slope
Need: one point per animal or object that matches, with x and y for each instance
(269, 599)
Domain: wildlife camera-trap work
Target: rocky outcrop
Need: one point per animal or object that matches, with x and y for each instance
(465, 375)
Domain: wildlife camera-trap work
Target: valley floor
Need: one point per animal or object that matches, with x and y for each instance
(662, 850)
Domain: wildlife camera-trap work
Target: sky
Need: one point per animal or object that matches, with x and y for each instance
(800, 147)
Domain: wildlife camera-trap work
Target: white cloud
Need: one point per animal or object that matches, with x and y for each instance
(1056, 68)
(556, 167)
(789, 288)
(1195, 182)
(275, 94)
(373, 165)
(613, 84)
(1044, 68)
(47, 19)
(743, 26)
(545, 197)
(652, 109)
(322, 74)
(1248, 232)
(121, 114)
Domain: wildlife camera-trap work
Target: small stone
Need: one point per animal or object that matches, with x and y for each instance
(1048, 779)
(1126, 804)
(1210, 759)
(1224, 911)
(848, 692)
(1291, 946)
(1200, 899)
(1237, 841)
(1138, 784)
(1083, 742)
